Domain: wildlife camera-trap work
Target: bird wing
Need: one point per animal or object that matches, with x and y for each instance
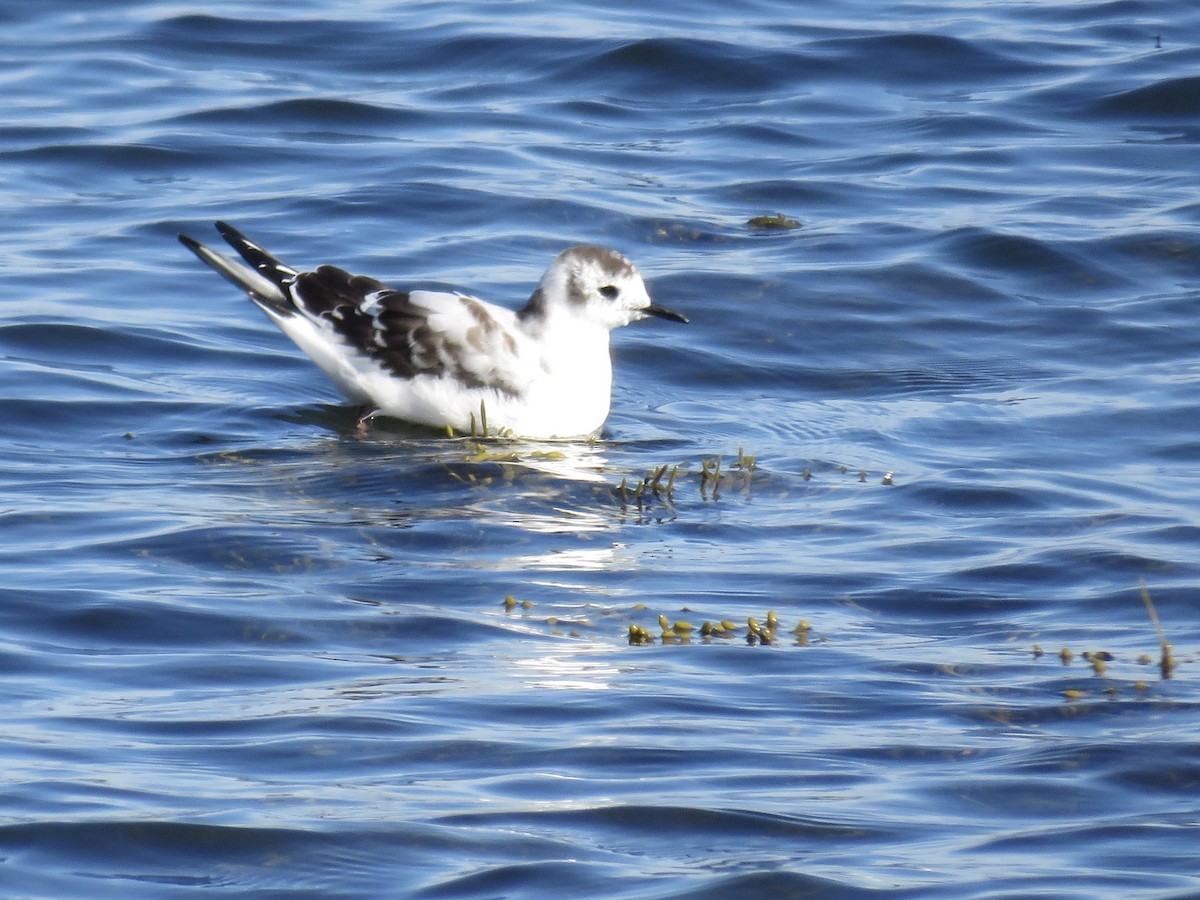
(407, 334)
(419, 332)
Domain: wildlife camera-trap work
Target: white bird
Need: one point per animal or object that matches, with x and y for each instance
(446, 359)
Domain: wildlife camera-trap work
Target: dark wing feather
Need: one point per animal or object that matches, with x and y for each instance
(407, 334)
(385, 325)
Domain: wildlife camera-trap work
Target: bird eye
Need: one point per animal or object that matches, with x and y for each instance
(609, 292)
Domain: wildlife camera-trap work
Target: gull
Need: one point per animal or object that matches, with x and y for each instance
(449, 360)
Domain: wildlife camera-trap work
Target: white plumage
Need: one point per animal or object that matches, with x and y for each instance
(434, 358)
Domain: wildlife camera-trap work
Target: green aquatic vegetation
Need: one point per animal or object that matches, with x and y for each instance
(482, 454)
(479, 427)
(663, 485)
(572, 627)
(801, 632)
(639, 636)
(775, 221)
(710, 471)
(739, 475)
(1098, 660)
(649, 487)
(1106, 665)
(760, 633)
(1166, 663)
(682, 631)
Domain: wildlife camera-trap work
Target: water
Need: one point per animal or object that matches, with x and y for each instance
(249, 652)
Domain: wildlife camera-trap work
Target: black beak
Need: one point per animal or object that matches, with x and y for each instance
(663, 313)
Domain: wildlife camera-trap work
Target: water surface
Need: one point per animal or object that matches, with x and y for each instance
(250, 651)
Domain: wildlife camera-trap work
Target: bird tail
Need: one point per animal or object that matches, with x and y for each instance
(266, 283)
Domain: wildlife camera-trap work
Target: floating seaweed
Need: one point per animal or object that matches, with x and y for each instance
(1101, 661)
(661, 488)
(773, 222)
(511, 603)
(1166, 663)
(681, 631)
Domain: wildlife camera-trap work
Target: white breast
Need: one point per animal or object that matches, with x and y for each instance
(571, 397)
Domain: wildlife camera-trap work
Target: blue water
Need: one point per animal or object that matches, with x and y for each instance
(248, 651)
